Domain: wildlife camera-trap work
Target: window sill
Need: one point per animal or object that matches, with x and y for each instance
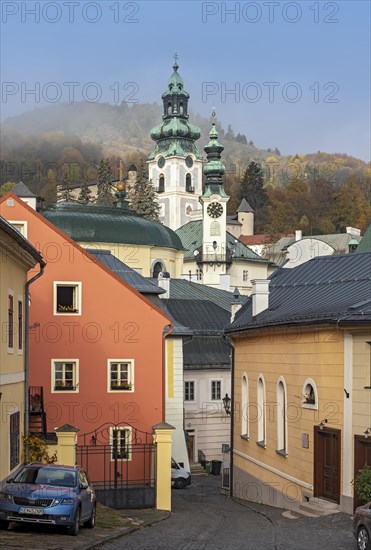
(261, 444)
(367, 387)
(281, 452)
(311, 406)
(245, 437)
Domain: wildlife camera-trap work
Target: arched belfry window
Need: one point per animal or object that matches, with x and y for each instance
(281, 417)
(244, 407)
(161, 183)
(169, 109)
(189, 188)
(181, 109)
(157, 268)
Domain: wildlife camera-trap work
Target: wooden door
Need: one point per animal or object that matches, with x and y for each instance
(362, 457)
(327, 460)
(191, 446)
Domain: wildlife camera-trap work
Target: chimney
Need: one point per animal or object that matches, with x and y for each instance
(353, 231)
(260, 295)
(298, 235)
(236, 304)
(164, 282)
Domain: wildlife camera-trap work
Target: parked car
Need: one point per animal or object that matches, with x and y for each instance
(362, 526)
(180, 478)
(51, 495)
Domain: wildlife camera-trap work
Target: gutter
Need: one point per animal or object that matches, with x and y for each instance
(26, 346)
(231, 346)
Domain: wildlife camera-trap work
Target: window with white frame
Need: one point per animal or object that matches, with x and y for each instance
(216, 390)
(309, 399)
(20, 226)
(67, 298)
(120, 375)
(65, 375)
(244, 407)
(261, 412)
(245, 275)
(121, 441)
(281, 418)
(189, 390)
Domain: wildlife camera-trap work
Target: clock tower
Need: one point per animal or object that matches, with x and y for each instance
(175, 165)
(215, 257)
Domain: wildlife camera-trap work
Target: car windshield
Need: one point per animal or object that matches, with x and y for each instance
(47, 476)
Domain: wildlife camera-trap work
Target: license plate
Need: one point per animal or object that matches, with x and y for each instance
(31, 511)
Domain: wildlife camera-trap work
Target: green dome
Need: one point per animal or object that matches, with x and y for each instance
(92, 223)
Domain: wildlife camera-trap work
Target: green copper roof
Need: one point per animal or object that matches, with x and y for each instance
(175, 135)
(214, 169)
(191, 235)
(92, 223)
(365, 244)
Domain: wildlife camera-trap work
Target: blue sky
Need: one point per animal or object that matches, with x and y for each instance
(297, 72)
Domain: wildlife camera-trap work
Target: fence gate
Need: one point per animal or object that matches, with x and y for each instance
(121, 464)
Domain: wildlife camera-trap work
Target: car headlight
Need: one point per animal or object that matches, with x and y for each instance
(7, 497)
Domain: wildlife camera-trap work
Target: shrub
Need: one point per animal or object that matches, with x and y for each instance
(362, 483)
(36, 450)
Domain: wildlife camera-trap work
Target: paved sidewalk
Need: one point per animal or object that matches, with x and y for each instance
(110, 525)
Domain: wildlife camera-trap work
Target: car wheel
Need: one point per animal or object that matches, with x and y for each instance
(91, 521)
(74, 529)
(180, 483)
(4, 524)
(363, 539)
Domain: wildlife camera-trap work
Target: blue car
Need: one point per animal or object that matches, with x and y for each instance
(50, 495)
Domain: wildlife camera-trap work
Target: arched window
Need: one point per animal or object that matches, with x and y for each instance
(214, 229)
(189, 187)
(169, 109)
(244, 407)
(261, 412)
(157, 268)
(161, 183)
(281, 417)
(181, 109)
(309, 398)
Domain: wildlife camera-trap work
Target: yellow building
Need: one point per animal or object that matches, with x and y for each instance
(17, 257)
(302, 386)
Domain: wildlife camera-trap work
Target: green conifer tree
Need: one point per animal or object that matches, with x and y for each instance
(85, 195)
(142, 196)
(105, 176)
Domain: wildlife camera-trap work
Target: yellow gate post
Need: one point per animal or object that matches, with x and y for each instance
(66, 448)
(162, 437)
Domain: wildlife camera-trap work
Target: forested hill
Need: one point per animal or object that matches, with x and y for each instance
(64, 143)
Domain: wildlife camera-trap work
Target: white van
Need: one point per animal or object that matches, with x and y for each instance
(180, 478)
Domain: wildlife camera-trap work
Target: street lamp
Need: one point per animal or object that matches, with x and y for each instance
(227, 403)
(367, 433)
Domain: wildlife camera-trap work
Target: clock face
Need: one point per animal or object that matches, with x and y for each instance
(161, 162)
(215, 210)
(189, 161)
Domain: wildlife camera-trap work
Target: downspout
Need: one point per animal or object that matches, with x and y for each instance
(26, 344)
(164, 335)
(232, 425)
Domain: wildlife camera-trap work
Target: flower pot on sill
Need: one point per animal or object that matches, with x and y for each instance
(121, 388)
(64, 388)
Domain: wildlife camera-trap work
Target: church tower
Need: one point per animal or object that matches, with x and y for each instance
(175, 166)
(216, 256)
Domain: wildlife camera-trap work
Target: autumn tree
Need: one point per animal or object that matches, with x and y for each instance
(142, 197)
(6, 187)
(104, 194)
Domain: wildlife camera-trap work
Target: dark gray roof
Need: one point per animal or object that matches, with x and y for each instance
(22, 191)
(206, 352)
(327, 289)
(126, 273)
(244, 207)
(178, 328)
(181, 289)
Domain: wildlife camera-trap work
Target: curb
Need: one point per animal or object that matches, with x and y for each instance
(124, 532)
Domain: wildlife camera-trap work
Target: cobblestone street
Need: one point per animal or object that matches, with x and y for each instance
(203, 519)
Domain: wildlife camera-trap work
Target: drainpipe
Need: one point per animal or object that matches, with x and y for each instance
(232, 424)
(26, 344)
(164, 335)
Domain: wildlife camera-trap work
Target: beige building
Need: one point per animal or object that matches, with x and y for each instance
(302, 386)
(17, 258)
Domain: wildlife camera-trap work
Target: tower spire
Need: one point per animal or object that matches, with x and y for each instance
(214, 169)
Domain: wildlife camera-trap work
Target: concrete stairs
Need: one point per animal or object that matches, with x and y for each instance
(312, 508)
(197, 469)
